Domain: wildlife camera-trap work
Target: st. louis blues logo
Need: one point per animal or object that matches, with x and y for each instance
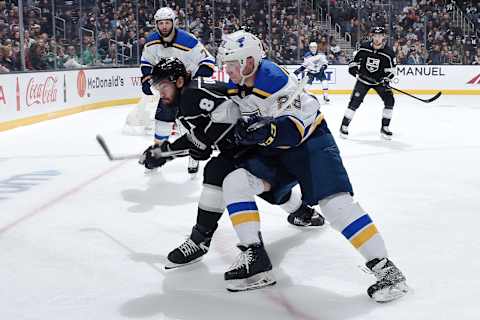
(241, 41)
(372, 64)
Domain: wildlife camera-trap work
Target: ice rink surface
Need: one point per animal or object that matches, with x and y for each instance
(84, 238)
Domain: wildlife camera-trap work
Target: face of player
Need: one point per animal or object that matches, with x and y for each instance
(378, 39)
(167, 91)
(165, 27)
(233, 69)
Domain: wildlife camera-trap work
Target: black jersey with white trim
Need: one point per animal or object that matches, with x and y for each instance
(373, 64)
(203, 104)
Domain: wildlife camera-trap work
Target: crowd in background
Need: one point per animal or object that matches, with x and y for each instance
(113, 32)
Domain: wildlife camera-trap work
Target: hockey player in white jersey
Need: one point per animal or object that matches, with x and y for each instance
(297, 137)
(169, 41)
(315, 63)
(210, 116)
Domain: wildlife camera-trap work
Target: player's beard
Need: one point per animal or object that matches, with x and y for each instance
(166, 34)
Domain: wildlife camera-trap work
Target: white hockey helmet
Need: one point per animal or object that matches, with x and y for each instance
(238, 46)
(313, 47)
(164, 13)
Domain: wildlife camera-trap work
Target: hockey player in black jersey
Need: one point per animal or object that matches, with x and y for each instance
(210, 117)
(373, 66)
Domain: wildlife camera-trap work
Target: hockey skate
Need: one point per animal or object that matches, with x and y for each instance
(344, 132)
(192, 167)
(251, 270)
(306, 216)
(390, 283)
(326, 99)
(191, 251)
(386, 133)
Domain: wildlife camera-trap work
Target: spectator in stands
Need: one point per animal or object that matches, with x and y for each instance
(7, 59)
(435, 55)
(37, 56)
(414, 57)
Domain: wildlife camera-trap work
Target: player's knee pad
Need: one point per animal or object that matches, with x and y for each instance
(216, 169)
(388, 99)
(354, 103)
(341, 210)
(241, 185)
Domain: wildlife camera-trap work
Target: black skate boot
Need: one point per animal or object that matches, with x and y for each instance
(344, 132)
(306, 216)
(386, 133)
(390, 283)
(251, 270)
(192, 250)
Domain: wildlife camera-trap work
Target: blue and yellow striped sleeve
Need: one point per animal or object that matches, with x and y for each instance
(291, 131)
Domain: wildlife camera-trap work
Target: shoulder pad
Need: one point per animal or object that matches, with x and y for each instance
(184, 40)
(366, 45)
(270, 78)
(389, 51)
(153, 36)
(232, 88)
(198, 86)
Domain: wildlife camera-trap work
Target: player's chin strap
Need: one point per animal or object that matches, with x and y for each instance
(244, 77)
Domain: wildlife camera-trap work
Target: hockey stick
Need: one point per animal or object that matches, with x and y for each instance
(388, 86)
(435, 97)
(158, 154)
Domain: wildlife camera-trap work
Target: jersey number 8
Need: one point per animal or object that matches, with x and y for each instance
(206, 105)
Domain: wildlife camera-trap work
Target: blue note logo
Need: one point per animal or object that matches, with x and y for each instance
(241, 42)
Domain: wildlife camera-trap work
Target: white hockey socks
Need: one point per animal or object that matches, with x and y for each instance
(239, 190)
(293, 203)
(346, 216)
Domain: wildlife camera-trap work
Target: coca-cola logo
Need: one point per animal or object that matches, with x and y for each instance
(42, 92)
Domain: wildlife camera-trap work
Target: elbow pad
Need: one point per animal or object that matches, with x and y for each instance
(353, 71)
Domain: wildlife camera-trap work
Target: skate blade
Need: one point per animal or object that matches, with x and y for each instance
(343, 136)
(172, 265)
(385, 137)
(388, 294)
(258, 281)
(151, 172)
(193, 175)
(315, 223)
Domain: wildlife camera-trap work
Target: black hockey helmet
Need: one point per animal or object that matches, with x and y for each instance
(378, 30)
(168, 69)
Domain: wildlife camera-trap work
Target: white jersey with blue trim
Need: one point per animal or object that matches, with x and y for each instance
(314, 62)
(184, 46)
(272, 89)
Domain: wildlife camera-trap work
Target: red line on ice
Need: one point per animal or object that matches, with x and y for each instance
(58, 199)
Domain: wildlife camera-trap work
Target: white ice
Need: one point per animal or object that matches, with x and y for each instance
(88, 238)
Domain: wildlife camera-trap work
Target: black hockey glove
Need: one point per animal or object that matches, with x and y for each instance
(256, 130)
(200, 148)
(385, 82)
(150, 160)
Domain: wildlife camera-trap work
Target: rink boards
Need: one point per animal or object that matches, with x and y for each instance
(27, 98)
